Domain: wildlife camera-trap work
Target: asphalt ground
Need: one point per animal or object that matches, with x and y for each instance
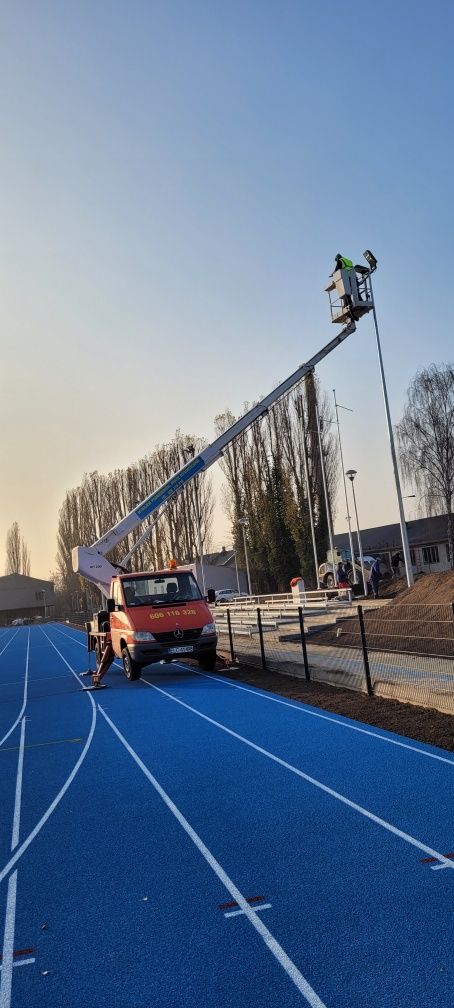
(186, 840)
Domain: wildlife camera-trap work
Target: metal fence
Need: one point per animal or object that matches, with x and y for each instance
(405, 652)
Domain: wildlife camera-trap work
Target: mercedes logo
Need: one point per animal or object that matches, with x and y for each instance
(178, 633)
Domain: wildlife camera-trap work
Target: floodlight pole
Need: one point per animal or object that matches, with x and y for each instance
(403, 527)
(325, 490)
(300, 411)
(190, 450)
(244, 522)
(350, 537)
(351, 473)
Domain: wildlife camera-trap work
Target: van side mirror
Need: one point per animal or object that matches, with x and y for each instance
(211, 596)
(110, 606)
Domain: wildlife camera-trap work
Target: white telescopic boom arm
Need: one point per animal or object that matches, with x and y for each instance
(91, 562)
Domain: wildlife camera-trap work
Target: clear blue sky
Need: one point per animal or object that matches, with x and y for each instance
(176, 178)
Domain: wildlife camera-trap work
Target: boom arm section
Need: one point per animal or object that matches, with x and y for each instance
(91, 562)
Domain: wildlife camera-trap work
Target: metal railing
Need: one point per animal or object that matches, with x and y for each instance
(324, 599)
(405, 652)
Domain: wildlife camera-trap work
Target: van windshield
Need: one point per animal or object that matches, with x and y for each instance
(161, 589)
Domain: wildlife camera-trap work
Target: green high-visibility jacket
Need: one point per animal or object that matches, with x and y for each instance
(346, 263)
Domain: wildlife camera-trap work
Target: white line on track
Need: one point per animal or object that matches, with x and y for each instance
(272, 944)
(18, 798)
(8, 943)
(10, 640)
(325, 717)
(300, 708)
(10, 914)
(236, 913)
(24, 699)
(31, 836)
(310, 780)
(22, 962)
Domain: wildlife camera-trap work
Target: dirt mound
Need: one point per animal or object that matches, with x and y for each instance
(418, 620)
(428, 588)
(394, 586)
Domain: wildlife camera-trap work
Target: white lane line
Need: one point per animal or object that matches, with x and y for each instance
(24, 699)
(236, 913)
(8, 943)
(10, 914)
(325, 717)
(272, 944)
(10, 640)
(21, 962)
(39, 679)
(18, 798)
(31, 836)
(311, 780)
(301, 709)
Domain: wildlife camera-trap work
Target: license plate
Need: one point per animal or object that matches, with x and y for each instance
(180, 650)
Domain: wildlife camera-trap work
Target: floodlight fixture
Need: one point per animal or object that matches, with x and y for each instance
(370, 258)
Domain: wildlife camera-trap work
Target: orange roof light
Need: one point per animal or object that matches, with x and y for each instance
(172, 564)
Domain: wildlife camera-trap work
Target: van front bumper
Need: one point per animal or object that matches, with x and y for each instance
(148, 652)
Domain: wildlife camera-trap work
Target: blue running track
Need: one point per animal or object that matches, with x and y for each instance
(188, 841)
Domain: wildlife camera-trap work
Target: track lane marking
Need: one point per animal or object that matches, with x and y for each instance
(311, 780)
(325, 717)
(40, 745)
(10, 912)
(236, 913)
(272, 944)
(24, 699)
(298, 706)
(31, 836)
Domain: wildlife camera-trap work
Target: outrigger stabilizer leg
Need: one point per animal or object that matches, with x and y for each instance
(89, 671)
(107, 659)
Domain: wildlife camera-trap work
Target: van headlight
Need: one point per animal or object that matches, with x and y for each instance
(143, 635)
(209, 628)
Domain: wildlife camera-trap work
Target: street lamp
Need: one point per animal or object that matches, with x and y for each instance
(190, 450)
(237, 574)
(244, 524)
(370, 258)
(351, 473)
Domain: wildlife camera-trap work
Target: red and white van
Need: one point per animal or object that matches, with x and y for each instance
(160, 614)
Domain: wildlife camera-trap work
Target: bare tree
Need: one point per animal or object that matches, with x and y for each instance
(25, 559)
(13, 550)
(426, 442)
(17, 552)
(266, 483)
(103, 500)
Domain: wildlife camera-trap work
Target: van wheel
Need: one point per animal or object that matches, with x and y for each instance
(131, 668)
(207, 662)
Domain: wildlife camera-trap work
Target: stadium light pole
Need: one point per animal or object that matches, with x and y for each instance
(300, 412)
(371, 260)
(325, 491)
(244, 524)
(190, 450)
(350, 538)
(351, 473)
